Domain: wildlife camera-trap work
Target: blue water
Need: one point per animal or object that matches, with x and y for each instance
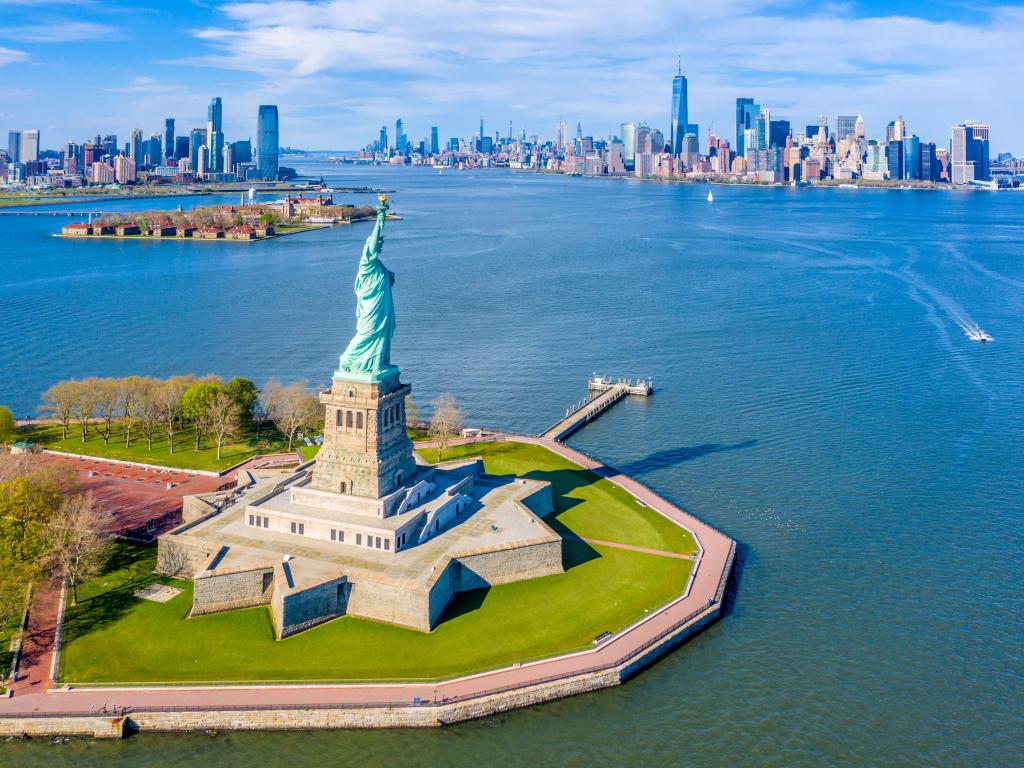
(816, 399)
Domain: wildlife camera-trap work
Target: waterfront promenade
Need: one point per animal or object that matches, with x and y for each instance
(306, 705)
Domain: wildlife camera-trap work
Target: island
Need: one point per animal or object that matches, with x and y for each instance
(246, 221)
(372, 582)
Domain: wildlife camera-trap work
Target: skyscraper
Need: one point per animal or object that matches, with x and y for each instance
(23, 146)
(135, 151)
(858, 127)
(198, 141)
(929, 164)
(778, 132)
(14, 146)
(894, 158)
(169, 138)
(434, 147)
(969, 153)
(110, 145)
(846, 125)
(628, 131)
(400, 138)
(746, 113)
(215, 134)
(911, 158)
(679, 122)
(382, 141)
(181, 147)
(267, 141)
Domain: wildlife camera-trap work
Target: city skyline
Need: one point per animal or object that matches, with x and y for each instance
(338, 70)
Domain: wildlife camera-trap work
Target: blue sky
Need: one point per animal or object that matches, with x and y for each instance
(340, 69)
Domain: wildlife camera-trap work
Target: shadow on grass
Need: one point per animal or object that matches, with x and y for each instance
(673, 456)
(574, 552)
(131, 566)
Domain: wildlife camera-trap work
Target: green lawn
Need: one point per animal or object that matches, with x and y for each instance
(585, 504)
(309, 451)
(112, 636)
(185, 456)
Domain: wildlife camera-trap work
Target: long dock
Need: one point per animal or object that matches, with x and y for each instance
(602, 394)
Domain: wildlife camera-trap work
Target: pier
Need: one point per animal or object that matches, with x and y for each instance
(602, 394)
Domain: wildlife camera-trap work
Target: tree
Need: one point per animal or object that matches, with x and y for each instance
(27, 504)
(223, 415)
(168, 401)
(107, 398)
(84, 403)
(77, 540)
(246, 395)
(447, 420)
(196, 402)
(129, 391)
(147, 408)
(59, 403)
(294, 407)
(8, 428)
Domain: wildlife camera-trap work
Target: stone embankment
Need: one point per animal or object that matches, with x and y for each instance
(111, 712)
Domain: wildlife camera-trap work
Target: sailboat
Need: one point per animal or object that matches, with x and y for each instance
(711, 198)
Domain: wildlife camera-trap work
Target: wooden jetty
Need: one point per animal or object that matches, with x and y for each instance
(602, 393)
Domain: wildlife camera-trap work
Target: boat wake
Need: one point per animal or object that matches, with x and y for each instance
(974, 333)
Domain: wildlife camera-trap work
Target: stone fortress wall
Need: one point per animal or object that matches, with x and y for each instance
(394, 601)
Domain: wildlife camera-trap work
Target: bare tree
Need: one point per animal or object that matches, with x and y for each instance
(265, 407)
(223, 416)
(295, 408)
(129, 390)
(107, 397)
(447, 420)
(84, 404)
(147, 408)
(59, 403)
(168, 399)
(77, 540)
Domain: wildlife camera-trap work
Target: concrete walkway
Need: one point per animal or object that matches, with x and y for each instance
(33, 673)
(702, 602)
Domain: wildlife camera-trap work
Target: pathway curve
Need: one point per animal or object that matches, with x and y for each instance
(703, 600)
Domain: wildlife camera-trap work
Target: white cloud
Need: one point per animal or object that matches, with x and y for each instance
(605, 62)
(9, 55)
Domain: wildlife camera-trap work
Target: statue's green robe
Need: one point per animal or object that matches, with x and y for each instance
(369, 352)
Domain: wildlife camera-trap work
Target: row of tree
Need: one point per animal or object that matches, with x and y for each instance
(146, 408)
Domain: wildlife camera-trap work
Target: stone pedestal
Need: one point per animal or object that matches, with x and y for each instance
(366, 450)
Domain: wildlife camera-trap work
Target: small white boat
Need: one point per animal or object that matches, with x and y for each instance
(711, 197)
(976, 334)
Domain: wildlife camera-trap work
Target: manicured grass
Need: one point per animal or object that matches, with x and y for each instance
(112, 636)
(309, 451)
(185, 456)
(585, 504)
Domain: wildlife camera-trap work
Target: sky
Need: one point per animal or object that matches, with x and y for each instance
(338, 70)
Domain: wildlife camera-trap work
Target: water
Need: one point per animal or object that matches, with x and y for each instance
(817, 399)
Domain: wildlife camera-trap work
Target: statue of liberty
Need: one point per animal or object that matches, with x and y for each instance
(368, 355)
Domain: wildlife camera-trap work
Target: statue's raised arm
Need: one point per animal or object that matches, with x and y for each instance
(375, 242)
